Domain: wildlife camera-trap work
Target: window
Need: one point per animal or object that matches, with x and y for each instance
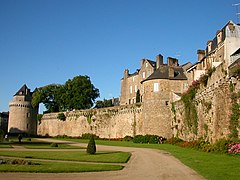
(143, 75)
(146, 64)
(27, 126)
(156, 87)
(133, 78)
(149, 72)
(28, 115)
(176, 73)
(131, 89)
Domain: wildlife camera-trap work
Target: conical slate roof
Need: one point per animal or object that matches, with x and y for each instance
(23, 91)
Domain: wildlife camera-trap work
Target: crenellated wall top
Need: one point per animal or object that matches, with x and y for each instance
(112, 111)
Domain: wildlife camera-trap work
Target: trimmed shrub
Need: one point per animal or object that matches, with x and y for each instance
(54, 145)
(174, 140)
(138, 139)
(61, 116)
(150, 139)
(128, 138)
(91, 148)
(221, 146)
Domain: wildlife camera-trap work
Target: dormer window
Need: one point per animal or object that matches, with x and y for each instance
(176, 73)
(219, 36)
(209, 46)
(146, 64)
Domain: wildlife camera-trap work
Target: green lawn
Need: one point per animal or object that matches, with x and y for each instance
(5, 145)
(210, 165)
(57, 167)
(105, 157)
(35, 144)
(45, 145)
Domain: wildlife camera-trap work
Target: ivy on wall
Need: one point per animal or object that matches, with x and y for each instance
(174, 111)
(233, 124)
(191, 117)
(89, 118)
(204, 78)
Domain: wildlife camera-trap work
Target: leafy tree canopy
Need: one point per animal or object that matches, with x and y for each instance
(104, 103)
(76, 93)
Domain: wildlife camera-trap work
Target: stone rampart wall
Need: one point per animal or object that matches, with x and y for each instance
(114, 122)
(214, 109)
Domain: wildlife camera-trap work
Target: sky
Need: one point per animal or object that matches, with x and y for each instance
(50, 41)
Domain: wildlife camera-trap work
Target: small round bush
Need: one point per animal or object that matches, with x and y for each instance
(54, 145)
(61, 116)
(128, 138)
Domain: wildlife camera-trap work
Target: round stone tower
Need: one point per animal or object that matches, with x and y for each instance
(22, 116)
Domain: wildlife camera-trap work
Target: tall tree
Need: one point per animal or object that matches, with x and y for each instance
(80, 93)
(76, 93)
(48, 95)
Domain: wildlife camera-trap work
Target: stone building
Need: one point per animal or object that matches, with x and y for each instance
(160, 85)
(22, 116)
(154, 79)
(219, 51)
(131, 83)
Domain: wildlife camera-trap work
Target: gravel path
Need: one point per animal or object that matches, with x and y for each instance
(144, 164)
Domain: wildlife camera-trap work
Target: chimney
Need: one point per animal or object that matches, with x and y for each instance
(209, 45)
(172, 61)
(231, 26)
(159, 60)
(201, 54)
(142, 62)
(170, 72)
(126, 73)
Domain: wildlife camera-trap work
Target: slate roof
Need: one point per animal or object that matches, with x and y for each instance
(153, 63)
(214, 41)
(236, 52)
(135, 73)
(23, 90)
(237, 62)
(163, 73)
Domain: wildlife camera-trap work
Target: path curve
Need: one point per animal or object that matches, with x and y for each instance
(144, 164)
